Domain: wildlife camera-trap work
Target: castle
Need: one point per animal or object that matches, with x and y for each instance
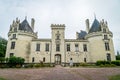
(89, 46)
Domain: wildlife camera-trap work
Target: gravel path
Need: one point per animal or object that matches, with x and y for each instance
(59, 73)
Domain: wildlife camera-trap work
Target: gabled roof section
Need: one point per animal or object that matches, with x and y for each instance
(82, 34)
(25, 26)
(95, 26)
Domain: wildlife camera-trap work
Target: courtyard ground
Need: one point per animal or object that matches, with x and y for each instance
(59, 73)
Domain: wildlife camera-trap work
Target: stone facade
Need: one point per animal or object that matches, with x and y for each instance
(89, 46)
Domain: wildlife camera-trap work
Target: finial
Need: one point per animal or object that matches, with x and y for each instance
(25, 17)
(94, 15)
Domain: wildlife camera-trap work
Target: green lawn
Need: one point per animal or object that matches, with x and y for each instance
(116, 77)
(2, 78)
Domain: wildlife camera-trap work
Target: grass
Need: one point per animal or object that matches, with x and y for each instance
(2, 78)
(116, 77)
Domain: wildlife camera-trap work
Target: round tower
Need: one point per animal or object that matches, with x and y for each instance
(20, 36)
(100, 42)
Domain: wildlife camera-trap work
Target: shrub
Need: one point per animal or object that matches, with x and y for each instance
(102, 62)
(37, 65)
(15, 61)
(28, 65)
(83, 64)
(116, 62)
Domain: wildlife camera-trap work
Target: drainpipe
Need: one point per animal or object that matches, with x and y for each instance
(65, 51)
(50, 52)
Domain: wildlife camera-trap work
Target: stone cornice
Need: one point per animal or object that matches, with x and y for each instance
(49, 40)
(75, 40)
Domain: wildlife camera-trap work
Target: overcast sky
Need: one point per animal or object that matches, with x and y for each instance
(72, 13)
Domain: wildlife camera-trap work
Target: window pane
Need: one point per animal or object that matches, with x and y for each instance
(37, 47)
(57, 47)
(47, 47)
(85, 47)
(12, 45)
(68, 47)
(107, 48)
(104, 30)
(14, 36)
(11, 54)
(76, 48)
(105, 37)
(108, 57)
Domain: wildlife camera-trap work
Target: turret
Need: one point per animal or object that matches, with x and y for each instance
(32, 23)
(87, 25)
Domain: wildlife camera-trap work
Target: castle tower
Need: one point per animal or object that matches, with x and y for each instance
(58, 42)
(100, 41)
(19, 39)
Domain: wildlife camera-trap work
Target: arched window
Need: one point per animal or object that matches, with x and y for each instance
(44, 59)
(33, 59)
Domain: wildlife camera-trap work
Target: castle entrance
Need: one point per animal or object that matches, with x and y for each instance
(57, 59)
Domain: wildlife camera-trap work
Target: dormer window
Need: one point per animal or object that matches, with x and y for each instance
(105, 37)
(104, 30)
(15, 29)
(14, 36)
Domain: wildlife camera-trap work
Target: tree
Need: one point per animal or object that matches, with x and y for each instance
(2, 59)
(3, 45)
(13, 61)
(118, 56)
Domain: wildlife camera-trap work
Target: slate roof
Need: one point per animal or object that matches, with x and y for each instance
(82, 34)
(25, 26)
(95, 26)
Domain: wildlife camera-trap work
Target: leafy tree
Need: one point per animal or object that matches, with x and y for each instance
(2, 59)
(16, 60)
(13, 61)
(118, 56)
(3, 45)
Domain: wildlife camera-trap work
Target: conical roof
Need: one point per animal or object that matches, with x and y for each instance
(25, 26)
(95, 26)
(82, 34)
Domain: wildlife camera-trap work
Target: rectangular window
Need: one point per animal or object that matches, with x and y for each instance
(11, 54)
(47, 47)
(58, 37)
(57, 47)
(12, 45)
(68, 47)
(85, 47)
(105, 37)
(76, 48)
(107, 48)
(33, 59)
(37, 47)
(108, 57)
(14, 36)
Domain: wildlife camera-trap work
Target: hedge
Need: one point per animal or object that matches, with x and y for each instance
(117, 62)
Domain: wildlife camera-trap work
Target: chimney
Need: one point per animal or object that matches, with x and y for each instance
(87, 25)
(77, 34)
(32, 23)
